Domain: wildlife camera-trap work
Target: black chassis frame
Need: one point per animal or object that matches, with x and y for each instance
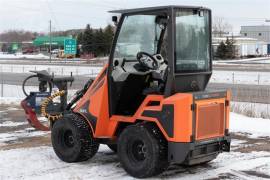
(198, 151)
(170, 11)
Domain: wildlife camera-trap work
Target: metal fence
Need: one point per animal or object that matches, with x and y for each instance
(57, 70)
(241, 77)
(251, 109)
(245, 93)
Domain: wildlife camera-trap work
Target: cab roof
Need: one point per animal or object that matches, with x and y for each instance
(138, 10)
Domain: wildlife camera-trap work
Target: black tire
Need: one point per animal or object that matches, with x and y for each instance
(113, 147)
(142, 150)
(72, 139)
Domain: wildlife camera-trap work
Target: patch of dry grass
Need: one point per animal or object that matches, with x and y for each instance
(252, 109)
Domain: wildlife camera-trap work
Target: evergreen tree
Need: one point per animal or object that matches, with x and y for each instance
(221, 50)
(230, 53)
(99, 43)
(88, 40)
(226, 50)
(108, 38)
(80, 38)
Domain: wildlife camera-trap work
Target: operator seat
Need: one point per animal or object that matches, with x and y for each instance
(130, 94)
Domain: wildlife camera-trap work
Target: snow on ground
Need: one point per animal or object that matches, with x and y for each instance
(42, 163)
(250, 60)
(263, 61)
(254, 126)
(12, 124)
(14, 136)
(23, 56)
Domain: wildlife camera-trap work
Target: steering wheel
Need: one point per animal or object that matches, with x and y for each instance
(147, 60)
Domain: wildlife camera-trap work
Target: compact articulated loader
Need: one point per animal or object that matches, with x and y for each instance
(149, 102)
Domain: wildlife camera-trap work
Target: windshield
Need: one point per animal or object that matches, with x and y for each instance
(192, 41)
(138, 33)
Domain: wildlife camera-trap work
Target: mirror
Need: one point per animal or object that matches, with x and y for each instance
(115, 63)
(161, 20)
(201, 14)
(115, 19)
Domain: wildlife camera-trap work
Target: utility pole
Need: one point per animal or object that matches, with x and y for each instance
(50, 35)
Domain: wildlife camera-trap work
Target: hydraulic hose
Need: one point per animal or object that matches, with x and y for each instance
(46, 102)
(34, 77)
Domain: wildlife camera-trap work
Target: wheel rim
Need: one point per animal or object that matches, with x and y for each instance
(138, 150)
(68, 138)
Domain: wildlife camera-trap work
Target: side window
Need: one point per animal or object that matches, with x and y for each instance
(164, 46)
(192, 41)
(138, 33)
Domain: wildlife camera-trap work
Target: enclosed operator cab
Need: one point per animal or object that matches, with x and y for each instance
(149, 103)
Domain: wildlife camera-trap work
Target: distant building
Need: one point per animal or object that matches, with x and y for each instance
(243, 46)
(258, 32)
(13, 47)
(261, 33)
(43, 42)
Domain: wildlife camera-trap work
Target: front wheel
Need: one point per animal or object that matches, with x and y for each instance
(142, 150)
(72, 139)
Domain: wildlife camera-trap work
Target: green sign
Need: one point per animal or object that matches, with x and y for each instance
(14, 47)
(70, 46)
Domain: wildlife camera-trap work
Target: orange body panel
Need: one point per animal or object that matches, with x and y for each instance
(227, 109)
(182, 115)
(97, 95)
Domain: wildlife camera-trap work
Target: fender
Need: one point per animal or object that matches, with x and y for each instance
(165, 117)
(84, 112)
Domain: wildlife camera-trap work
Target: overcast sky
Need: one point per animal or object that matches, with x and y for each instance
(34, 15)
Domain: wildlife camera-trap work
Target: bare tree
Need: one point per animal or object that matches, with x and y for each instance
(220, 27)
(17, 36)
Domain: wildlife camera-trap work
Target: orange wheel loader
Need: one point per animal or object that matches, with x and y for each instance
(149, 103)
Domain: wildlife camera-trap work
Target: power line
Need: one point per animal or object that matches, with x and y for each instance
(50, 40)
(52, 14)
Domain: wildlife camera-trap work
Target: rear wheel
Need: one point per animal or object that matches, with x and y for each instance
(72, 139)
(142, 150)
